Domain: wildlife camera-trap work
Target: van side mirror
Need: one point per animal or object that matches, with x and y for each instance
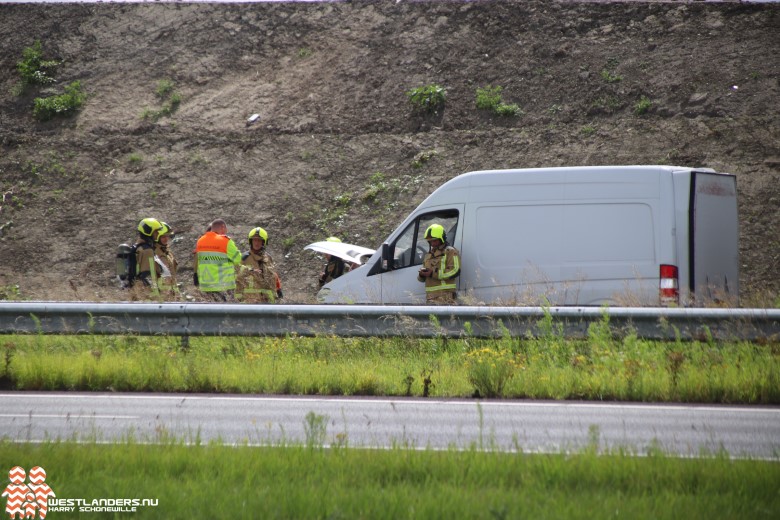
(387, 260)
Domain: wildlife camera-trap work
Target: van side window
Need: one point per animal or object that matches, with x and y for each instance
(410, 247)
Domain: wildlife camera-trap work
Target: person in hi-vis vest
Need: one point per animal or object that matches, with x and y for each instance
(216, 261)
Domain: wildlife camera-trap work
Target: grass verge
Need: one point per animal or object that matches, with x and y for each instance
(598, 368)
(215, 481)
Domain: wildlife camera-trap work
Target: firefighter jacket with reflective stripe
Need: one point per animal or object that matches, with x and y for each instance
(144, 264)
(444, 263)
(261, 283)
(165, 270)
(217, 258)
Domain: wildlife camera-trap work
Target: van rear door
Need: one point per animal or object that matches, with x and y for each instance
(713, 238)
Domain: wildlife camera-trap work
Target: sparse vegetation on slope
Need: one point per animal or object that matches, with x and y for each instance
(628, 83)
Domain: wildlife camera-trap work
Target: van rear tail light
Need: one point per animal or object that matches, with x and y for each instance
(669, 288)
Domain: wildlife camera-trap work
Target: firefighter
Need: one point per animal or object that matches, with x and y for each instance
(144, 280)
(335, 266)
(165, 264)
(260, 283)
(441, 266)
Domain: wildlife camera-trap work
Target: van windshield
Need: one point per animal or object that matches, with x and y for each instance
(410, 247)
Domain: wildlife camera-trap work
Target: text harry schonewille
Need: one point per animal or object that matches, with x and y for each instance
(101, 505)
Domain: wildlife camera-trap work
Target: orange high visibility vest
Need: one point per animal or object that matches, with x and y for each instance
(217, 256)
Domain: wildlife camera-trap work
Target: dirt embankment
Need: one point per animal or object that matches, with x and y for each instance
(337, 149)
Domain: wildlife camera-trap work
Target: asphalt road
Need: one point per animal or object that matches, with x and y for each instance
(530, 426)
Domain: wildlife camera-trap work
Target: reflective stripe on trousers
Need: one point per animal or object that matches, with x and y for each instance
(263, 292)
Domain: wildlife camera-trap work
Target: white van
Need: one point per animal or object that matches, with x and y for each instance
(616, 235)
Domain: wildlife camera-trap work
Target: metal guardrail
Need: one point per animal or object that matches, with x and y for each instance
(208, 319)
